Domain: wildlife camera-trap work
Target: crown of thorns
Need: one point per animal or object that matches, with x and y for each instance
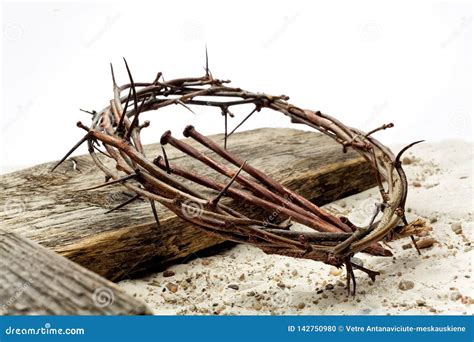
(334, 240)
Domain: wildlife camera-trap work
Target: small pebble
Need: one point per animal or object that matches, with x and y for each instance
(168, 273)
(456, 227)
(233, 286)
(406, 285)
(172, 287)
(425, 243)
(420, 302)
(335, 271)
(407, 246)
(205, 262)
(301, 305)
(455, 295)
(329, 286)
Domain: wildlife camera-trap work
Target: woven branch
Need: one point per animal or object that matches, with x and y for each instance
(334, 240)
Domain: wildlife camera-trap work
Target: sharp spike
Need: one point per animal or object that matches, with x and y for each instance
(168, 171)
(207, 63)
(132, 85)
(185, 106)
(120, 180)
(414, 244)
(155, 215)
(224, 112)
(135, 120)
(399, 155)
(123, 204)
(113, 75)
(242, 122)
(93, 112)
(221, 193)
(79, 143)
(122, 118)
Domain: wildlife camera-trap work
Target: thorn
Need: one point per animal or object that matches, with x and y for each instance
(242, 122)
(157, 78)
(350, 276)
(399, 155)
(185, 106)
(79, 143)
(155, 215)
(93, 112)
(378, 208)
(224, 112)
(113, 75)
(120, 124)
(132, 86)
(120, 180)
(166, 160)
(123, 204)
(207, 63)
(135, 120)
(414, 243)
(370, 273)
(216, 199)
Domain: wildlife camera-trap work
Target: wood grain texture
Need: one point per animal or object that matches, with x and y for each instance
(48, 208)
(37, 281)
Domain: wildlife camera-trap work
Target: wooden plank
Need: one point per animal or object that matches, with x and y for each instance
(48, 208)
(37, 281)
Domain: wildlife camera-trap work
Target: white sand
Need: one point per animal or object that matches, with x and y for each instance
(441, 191)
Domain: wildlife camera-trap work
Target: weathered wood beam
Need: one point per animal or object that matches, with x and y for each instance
(48, 208)
(37, 281)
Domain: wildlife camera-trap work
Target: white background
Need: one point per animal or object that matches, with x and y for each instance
(367, 63)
